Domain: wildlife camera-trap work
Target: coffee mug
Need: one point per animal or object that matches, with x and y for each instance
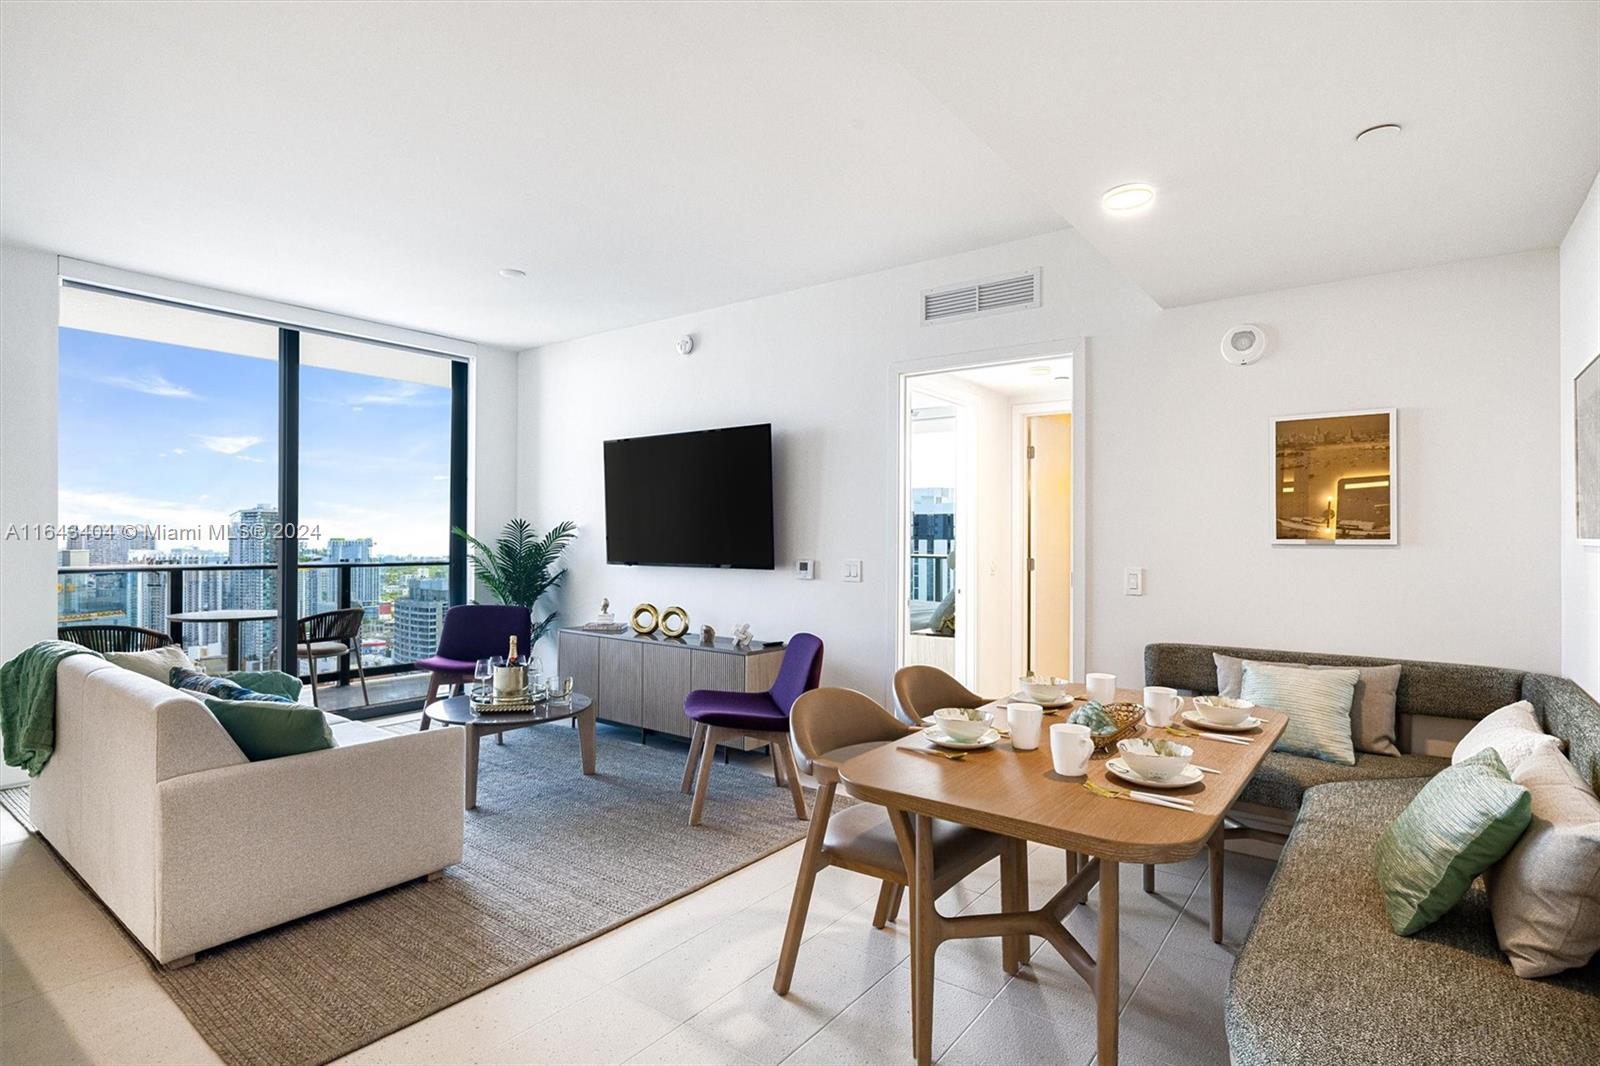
(1025, 721)
(1102, 687)
(1002, 719)
(1070, 748)
(1160, 704)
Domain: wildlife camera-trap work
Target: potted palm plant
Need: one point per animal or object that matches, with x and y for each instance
(519, 567)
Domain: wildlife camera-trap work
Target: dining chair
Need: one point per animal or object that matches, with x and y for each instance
(922, 690)
(332, 635)
(473, 631)
(830, 726)
(762, 715)
(106, 639)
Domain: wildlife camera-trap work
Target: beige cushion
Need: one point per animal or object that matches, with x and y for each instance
(156, 663)
(325, 647)
(1513, 731)
(863, 834)
(1545, 894)
(1372, 714)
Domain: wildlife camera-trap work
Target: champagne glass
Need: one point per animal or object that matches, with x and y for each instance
(483, 675)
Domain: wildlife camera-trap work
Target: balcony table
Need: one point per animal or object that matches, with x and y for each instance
(233, 619)
(1019, 795)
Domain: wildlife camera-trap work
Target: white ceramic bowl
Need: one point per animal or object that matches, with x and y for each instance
(1222, 710)
(959, 727)
(1043, 689)
(1157, 760)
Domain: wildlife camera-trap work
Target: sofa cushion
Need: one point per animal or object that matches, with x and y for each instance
(1318, 704)
(1513, 732)
(267, 682)
(1322, 979)
(157, 663)
(272, 729)
(210, 687)
(1282, 779)
(1463, 821)
(1372, 714)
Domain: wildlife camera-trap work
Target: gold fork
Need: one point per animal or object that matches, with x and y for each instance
(953, 756)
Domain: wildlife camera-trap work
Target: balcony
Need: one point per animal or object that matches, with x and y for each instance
(404, 603)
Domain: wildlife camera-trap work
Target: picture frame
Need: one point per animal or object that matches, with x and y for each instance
(1586, 453)
(1335, 478)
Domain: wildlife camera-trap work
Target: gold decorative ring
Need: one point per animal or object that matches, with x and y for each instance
(645, 619)
(674, 622)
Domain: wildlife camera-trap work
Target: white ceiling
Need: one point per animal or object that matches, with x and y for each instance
(1035, 380)
(1244, 116)
(640, 161)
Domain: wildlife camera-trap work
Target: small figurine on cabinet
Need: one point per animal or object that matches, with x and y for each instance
(741, 635)
(708, 636)
(604, 618)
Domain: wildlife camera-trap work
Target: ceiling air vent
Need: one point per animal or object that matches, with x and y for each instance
(1010, 293)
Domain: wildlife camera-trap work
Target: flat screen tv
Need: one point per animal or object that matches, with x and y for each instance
(691, 499)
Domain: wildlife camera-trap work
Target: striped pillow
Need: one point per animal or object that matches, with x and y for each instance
(1318, 705)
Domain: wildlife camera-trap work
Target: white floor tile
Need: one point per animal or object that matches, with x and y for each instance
(607, 1026)
(876, 1028)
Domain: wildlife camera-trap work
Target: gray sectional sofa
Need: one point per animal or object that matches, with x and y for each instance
(1321, 977)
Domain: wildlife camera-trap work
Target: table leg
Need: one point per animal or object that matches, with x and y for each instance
(1106, 977)
(1013, 899)
(1215, 848)
(472, 765)
(586, 739)
(926, 936)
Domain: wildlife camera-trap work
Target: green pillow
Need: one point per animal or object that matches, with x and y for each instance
(1317, 702)
(1462, 822)
(272, 730)
(272, 682)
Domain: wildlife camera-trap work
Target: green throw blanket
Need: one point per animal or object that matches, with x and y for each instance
(28, 702)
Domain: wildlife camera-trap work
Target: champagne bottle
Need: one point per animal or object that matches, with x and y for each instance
(511, 656)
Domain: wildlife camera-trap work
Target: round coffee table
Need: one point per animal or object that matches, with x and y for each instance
(457, 710)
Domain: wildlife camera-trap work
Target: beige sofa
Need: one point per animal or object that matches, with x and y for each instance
(191, 845)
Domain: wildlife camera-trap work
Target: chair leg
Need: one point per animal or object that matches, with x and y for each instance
(361, 671)
(811, 861)
(886, 896)
(703, 785)
(696, 740)
(313, 661)
(791, 773)
(893, 913)
(427, 698)
(777, 765)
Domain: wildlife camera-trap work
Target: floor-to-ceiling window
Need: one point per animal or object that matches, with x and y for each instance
(186, 494)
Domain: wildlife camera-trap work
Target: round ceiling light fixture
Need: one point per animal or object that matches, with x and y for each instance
(1383, 131)
(512, 272)
(1125, 198)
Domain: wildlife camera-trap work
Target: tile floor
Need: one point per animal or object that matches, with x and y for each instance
(690, 983)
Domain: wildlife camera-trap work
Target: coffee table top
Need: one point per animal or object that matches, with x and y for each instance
(457, 710)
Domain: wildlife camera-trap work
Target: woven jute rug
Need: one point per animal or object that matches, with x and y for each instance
(552, 858)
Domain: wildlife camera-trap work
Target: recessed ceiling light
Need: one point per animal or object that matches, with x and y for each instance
(1040, 371)
(512, 272)
(1384, 131)
(1130, 197)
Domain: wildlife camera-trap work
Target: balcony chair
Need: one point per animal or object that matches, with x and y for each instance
(830, 726)
(471, 632)
(332, 635)
(922, 690)
(106, 639)
(763, 715)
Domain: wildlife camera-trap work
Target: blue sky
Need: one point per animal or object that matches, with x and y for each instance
(161, 433)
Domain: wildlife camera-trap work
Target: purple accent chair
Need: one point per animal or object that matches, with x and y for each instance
(763, 715)
(471, 632)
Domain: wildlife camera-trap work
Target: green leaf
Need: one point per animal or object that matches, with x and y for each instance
(517, 569)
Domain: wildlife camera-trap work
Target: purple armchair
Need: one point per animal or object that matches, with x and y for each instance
(472, 631)
(763, 715)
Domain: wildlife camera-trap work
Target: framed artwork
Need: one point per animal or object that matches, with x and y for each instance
(1586, 430)
(1333, 478)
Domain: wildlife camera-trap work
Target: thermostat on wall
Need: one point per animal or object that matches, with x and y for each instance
(805, 569)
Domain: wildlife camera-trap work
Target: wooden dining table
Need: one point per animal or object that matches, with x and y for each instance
(1018, 795)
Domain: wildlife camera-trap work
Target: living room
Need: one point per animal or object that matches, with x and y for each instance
(443, 263)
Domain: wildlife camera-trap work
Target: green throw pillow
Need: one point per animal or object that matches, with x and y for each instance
(272, 730)
(1317, 702)
(271, 682)
(1462, 822)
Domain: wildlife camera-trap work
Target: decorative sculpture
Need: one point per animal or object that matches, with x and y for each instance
(741, 635)
(645, 619)
(708, 636)
(604, 617)
(674, 622)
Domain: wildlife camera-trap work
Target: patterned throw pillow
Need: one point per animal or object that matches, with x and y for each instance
(218, 688)
(1318, 705)
(1463, 821)
(1372, 717)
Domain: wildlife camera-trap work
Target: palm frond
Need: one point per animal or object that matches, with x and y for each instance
(518, 567)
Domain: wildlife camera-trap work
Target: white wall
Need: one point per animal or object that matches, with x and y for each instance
(1580, 342)
(1178, 454)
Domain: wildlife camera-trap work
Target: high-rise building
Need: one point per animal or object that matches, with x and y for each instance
(365, 589)
(419, 619)
(252, 539)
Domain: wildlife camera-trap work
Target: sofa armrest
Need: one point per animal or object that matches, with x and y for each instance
(244, 848)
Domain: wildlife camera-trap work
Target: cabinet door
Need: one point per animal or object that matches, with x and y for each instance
(716, 670)
(578, 657)
(620, 681)
(666, 683)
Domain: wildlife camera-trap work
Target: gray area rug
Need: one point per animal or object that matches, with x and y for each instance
(552, 858)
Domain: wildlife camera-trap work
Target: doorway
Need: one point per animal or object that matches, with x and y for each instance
(985, 533)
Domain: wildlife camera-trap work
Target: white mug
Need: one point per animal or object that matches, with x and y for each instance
(1070, 748)
(1160, 704)
(1025, 721)
(1102, 687)
(1002, 719)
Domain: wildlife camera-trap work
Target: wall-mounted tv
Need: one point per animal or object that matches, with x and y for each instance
(691, 499)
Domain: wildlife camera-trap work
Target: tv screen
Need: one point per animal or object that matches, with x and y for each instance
(691, 499)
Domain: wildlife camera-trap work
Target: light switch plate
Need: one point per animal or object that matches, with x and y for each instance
(852, 569)
(1133, 581)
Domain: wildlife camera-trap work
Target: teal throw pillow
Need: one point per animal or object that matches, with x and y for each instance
(266, 682)
(1317, 702)
(1465, 819)
(270, 730)
(203, 684)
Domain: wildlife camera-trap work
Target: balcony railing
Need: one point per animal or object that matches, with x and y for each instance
(325, 586)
